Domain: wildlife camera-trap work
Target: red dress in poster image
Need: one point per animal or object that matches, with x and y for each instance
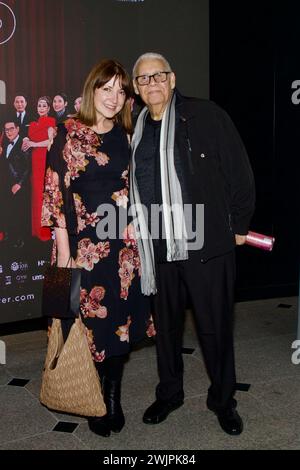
(40, 134)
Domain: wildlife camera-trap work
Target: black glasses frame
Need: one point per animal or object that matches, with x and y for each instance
(150, 76)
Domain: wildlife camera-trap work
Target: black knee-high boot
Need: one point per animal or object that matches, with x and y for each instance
(111, 386)
(100, 425)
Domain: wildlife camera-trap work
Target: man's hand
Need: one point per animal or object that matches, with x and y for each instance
(240, 239)
(15, 188)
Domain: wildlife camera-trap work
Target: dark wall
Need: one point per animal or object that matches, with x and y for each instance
(254, 60)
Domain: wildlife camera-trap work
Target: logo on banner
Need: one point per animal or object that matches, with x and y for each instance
(15, 266)
(21, 278)
(1, 269)
(7, 280)
(7, 23)
(41, 262)
(37, 277)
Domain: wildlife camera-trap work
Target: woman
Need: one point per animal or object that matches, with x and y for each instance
(87, 167)
(38, 139)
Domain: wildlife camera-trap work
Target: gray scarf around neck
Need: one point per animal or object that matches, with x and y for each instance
(173, 211)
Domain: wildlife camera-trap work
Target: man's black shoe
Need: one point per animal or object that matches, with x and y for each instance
(230, 421)
(159, 410)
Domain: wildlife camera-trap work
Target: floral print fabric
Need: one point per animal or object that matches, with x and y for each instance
(83, 172)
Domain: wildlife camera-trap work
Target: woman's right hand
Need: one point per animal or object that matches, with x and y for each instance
(63, 258)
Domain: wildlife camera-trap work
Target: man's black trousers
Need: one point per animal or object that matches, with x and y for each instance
(210, 289)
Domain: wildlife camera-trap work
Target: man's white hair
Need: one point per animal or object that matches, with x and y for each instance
(151, 56)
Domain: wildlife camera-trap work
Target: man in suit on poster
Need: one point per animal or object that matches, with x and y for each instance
(21, 114)
(14, 173)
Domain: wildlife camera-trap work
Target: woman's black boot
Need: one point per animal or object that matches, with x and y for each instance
(99, 425)
(112, 398)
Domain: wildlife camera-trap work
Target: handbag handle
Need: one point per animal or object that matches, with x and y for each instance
(57, 345)
(67, 261)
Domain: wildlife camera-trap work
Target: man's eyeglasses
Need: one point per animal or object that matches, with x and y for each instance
(159, 77)
(9, 129)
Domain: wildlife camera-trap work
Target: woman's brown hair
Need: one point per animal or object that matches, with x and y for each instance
(98, 76)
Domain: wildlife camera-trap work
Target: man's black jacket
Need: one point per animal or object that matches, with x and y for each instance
(216, 172)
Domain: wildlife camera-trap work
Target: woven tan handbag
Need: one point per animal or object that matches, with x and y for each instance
(70, 380)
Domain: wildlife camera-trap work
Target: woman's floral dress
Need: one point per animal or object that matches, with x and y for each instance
(85, 171)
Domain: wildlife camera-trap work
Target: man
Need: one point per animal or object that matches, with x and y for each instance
(14, 172)
(22, 115)
(186, 151)
(59, 104)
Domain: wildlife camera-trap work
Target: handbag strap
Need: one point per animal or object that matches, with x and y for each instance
(68, 260)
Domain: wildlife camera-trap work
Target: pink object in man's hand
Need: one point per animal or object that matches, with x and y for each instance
(260, 241)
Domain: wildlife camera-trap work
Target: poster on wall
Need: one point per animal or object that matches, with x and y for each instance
(47, 48)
